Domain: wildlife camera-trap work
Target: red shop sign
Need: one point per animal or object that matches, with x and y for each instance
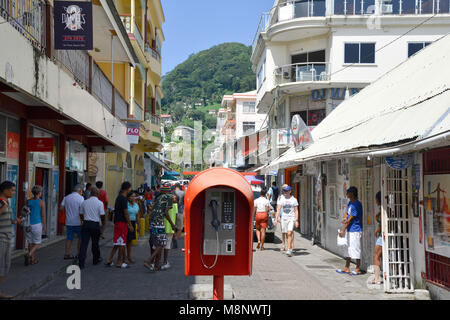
(40, 144)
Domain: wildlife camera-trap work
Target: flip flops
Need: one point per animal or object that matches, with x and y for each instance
(354, 273)
(342, 272)
(123, 266)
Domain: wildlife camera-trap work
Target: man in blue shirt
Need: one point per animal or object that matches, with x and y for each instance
(353, 223)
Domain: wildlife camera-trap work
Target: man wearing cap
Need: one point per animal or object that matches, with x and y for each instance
(287, 215)
(158, 239)
(353, 225)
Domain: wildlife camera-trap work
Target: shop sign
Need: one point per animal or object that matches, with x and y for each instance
(73, 25)
(133, 132)
(40, 145)
(12, 146)
(301, 135)
(400, 162)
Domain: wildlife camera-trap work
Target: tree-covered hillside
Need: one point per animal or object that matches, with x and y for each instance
(206, 76)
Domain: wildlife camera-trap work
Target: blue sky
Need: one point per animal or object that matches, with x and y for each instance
(195, 25)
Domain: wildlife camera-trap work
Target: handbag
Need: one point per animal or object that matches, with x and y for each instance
(342, 241)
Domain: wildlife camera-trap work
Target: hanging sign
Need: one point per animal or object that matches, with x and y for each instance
(400, 162)
(40, 145)
(300, 133)
(133, 132)
(73, 25)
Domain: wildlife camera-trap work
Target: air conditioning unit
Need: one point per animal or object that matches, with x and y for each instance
(387, 8)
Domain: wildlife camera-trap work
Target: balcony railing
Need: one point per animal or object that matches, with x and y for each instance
(28, 17)
(299, 72)
(77, 63)
(293, 9)
(156, 120)
(102, 87)
(137, 111)
(121, 106)
(153, 52)
(138, 35)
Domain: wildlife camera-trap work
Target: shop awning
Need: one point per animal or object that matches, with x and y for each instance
(158, 161)
(398, 108)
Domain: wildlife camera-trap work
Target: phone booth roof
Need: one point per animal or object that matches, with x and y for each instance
(215, 177)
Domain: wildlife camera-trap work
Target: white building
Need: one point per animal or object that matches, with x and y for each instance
(311, 55)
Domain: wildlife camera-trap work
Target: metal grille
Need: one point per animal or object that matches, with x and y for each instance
(101, 87)
(27, 17)
(396, 229)
(366, 194)
(438, 269)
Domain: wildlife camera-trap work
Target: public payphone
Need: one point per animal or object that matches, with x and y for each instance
(219, 234)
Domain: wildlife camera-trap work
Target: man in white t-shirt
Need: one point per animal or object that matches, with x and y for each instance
(71, 204)
(287, 215)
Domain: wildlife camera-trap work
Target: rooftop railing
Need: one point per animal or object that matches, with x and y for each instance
(153, 52)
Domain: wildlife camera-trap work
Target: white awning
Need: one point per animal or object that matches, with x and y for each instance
(409, 103)
(158, 161)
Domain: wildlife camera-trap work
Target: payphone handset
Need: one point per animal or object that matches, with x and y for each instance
(219, 216)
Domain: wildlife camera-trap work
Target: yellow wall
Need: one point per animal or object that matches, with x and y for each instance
(121, 76)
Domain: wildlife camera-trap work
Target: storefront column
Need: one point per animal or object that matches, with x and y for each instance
(62, 181)
(22, 179)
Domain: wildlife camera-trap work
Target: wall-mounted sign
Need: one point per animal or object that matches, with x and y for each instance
(40, 145)
(300, 133)
(73, 25)
(400, 162)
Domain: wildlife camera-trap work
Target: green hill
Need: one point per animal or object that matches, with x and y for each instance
(204, 78)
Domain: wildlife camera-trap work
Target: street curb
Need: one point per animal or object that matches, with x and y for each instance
(34, 287)
(20, 252)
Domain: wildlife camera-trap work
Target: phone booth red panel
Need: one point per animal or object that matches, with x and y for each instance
(233, 197)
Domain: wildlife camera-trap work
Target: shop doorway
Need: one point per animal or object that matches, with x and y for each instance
(2, 171)
(42, 179)
(71, 181)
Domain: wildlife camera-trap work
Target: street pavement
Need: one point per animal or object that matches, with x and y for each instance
(310, 274)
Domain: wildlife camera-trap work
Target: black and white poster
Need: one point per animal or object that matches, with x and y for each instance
(73, 25)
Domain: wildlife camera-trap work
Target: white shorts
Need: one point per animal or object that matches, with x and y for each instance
(287, 225)
(35, 234)
(169, 237)
(353, 249)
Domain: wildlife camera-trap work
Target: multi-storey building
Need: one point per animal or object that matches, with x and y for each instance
(143, 22)
(67, 99)
(311, 55)
(237, 124)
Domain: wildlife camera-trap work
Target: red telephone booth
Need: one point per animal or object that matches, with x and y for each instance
(219, 224)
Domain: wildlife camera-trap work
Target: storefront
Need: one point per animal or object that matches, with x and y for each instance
(436, 190)
(9, 157)
(76, 166)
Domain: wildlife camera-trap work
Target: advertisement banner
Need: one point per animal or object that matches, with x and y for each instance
(12, 146)
(437, 214)
(73, 25)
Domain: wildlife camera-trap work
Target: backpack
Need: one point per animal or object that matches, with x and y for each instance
(275, 194)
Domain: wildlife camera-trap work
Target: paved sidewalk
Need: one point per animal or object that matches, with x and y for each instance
(23, 280)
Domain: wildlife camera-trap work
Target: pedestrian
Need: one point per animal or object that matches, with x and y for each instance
(273, 194)
(287, 215)
(37, 225)
(157, 192)
(135, 214)
(148, 197)
(71, 204)
(87, 192)
(7, 191)
(180, 215)
(92, 211)
(352, 230)
(261, 214)
(378, 251)
(122, 225)
(169, 231)
(103, 197)
(158, 239)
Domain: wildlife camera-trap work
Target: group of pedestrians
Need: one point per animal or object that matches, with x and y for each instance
(286, 215)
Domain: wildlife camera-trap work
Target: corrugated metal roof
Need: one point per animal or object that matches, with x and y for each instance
(412, 101)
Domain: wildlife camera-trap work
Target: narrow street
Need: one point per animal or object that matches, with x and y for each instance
(308, 275)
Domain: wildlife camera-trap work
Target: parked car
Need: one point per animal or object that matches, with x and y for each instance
(270, 231)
